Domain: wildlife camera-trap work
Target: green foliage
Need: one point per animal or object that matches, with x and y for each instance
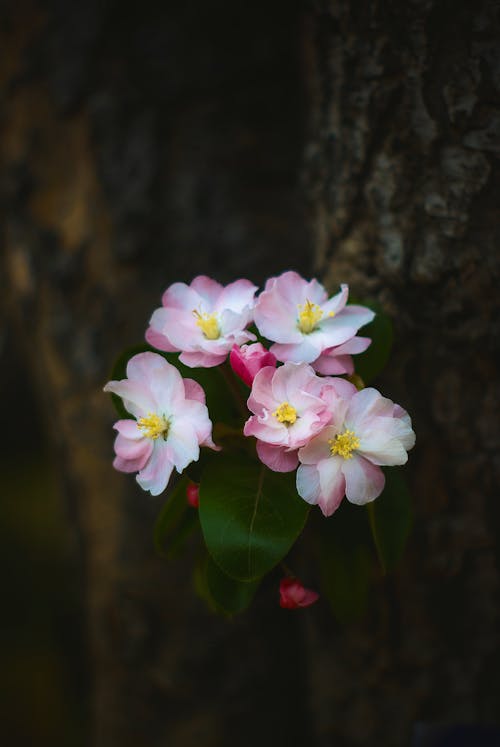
(369, 364)
(345, 561)
(391, 519)
(223, 593)
(250, 516)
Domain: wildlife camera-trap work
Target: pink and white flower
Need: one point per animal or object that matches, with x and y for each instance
(203, 320)
(171, 421)
(366, 431)
(307, 326)
(289, 409)
(247, 360)
(294, 595)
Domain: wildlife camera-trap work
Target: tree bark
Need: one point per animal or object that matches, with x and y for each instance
(403, 178)
(142, 149)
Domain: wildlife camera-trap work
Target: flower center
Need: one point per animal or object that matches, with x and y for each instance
(343, 444)
(309, 316)
(208, 325)
(286, 413)
(153, 426)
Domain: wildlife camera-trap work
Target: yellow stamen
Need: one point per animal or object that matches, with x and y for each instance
(208, 325)
(309, 316)
(286, 414)
(343, 444)
(153, 426)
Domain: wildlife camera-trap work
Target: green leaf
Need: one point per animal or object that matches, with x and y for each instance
(228, 594)
(370, 363)
(345, 561)
(175, 522)
(391, 519)
(250, 516)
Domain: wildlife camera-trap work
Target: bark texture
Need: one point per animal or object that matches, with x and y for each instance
(139, 147)
(143, 145)
(403, 181)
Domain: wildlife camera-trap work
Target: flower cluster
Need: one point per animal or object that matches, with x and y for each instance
(292, 345)
(303, 413)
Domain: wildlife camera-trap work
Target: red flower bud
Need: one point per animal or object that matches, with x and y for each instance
(247, 361)
(294, 595)
(193, 494)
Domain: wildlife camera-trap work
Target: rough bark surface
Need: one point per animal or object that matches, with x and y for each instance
(139, 147)
(404, 177)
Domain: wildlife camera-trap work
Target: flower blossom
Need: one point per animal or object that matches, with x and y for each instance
(289, 410)
(203, 320)
(294, 595)
(247, 360)
(307, 326)
(171, 421)
(366, 431)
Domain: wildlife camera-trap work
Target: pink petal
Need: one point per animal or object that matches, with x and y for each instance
(318, 448)
(276, 313)
(290, 380)
(180, 296)
(209, 289)
(309, 598)
(156, 474)
(353, 346)
(380, 442)
(337, 360)
(137, 398)
(193, 390)
(332, 484)
(182, 444)
(237, 295)
(127, 448)
(277, 458)
(159, 341)
(167, 388)
(302, 351)
(365, 405)
(262, 395)
(267, 429)
(337, 302)
(196, 414)
(156, 334)
(141, 366)
(130, 465)
(183, 332)
(201, 360)
(308, 486)
(364, 481)
(129, 429)
(330, 365)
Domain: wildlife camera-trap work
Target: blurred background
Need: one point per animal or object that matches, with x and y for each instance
(144, 144)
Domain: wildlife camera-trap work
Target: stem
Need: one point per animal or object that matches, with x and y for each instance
(287, 571)
(228, 376)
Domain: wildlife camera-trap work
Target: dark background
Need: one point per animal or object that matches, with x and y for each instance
(143, 144)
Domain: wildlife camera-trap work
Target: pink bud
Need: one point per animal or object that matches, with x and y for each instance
(247, 360)
(193, 494)
(294, 595)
